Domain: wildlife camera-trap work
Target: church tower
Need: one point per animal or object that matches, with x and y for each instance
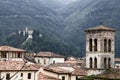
(100, 48)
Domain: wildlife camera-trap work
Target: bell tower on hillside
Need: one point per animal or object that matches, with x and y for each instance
(100, 47)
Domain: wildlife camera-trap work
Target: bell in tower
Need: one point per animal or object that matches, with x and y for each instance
(100, 47)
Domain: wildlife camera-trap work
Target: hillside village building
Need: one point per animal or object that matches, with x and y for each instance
(100, 49)
(18, 70)
(13, 66)
(64, 72)
(7, 53)
(48, 58)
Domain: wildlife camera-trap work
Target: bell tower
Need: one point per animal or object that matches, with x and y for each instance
(100, 47)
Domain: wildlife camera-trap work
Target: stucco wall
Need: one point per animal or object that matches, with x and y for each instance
(18, 75)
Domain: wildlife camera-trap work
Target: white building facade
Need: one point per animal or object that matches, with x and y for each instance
(18, 70)
(100, 49)
(47, 58)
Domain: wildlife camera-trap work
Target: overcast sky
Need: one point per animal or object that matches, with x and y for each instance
(66, 1)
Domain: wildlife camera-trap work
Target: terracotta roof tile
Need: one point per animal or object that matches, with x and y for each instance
(46, 77)
(100, 28)
(79, 72)
(8, 48)
(11, 65)
(56, 70)
(49, 54)
(73, 65)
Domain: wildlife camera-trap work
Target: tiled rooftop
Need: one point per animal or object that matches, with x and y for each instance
(63, 65)
(13, 65)
(56, 70)
(79, 72)
(67, 70)
(46, 77)
(49, 54)
(11, 49)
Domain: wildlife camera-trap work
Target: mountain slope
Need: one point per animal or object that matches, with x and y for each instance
(18, 14)
(45, 42)
(90, 13)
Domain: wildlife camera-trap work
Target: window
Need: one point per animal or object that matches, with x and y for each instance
(105, 45)
(90, 44)
(21, 75)
(109, 45)
(63, 77)
(8, 76)
(95, 62)
(19, 55)
(90, 62)
(53, 62)
(3, 55)
(105, 62)
(29, 75)
(77, 78)
(109, 62)
(95, 44)
(44, 61)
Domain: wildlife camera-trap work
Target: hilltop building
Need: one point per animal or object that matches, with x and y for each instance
(100, 49)
(26, 32)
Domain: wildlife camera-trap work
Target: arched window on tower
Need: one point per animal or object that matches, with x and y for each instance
(91, 61)
(105, 45)
(109, 62)
(105, 62)
(90, 44)
(109, 45)
(95, 65)
(95, 44)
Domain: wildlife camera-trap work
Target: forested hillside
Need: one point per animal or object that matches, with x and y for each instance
(83, 14)
(36, 14)
(41, 42)
(65, 24)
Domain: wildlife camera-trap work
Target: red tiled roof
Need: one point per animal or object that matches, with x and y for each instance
(56, 70)
(79, 72)
(46, 77)
(11, 49)
(15, 65)
(49, 54)
(100, 28)
(63, 65)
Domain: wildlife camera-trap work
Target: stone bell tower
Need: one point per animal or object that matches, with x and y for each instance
(100, 48)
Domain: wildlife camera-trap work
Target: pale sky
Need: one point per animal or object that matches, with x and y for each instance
(66, 1)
